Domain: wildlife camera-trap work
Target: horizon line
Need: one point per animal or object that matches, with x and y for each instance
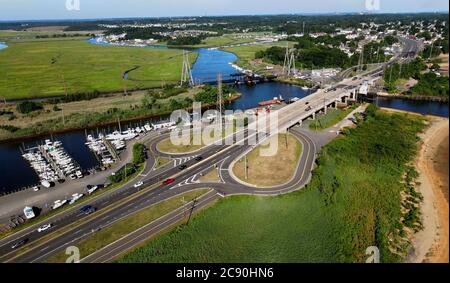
(218, 16)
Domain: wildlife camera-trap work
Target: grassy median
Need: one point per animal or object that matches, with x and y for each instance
(271, 170)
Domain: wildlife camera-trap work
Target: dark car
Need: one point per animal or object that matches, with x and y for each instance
(308, 108)
(182, 167)
(355, 78)
(19, 244)
(199, 158)
(88, 209)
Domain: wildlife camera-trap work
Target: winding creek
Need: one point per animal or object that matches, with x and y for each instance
(16, 173)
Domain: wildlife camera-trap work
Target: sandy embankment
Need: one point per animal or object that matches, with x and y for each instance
(431, 244)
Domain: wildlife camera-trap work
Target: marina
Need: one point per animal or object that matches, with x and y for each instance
(52, 163)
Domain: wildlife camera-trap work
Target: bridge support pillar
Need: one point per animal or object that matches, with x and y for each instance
(325, 110)
(314, 116)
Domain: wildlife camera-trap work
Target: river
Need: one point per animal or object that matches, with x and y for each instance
(16, 173)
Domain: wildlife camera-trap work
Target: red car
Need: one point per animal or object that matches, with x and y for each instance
(168, 181)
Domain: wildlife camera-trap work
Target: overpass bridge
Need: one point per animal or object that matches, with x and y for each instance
(347, 89)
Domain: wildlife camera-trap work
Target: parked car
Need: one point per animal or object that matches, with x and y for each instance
(36, 188)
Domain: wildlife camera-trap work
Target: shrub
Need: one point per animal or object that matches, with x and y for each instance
(28, 106)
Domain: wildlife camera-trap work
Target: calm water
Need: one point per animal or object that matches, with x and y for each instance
(3, 45)
(16, 173)
(423, 107)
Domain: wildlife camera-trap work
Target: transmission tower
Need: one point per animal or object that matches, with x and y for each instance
(431, 51)
(361, 59)
(186, 73)
(289, 61)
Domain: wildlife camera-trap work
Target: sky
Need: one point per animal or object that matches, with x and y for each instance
(94, 9)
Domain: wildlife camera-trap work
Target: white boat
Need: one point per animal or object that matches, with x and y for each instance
(75, 197)
(46, 184)
(29, 213)
(147, 127)
(93, 189)
(58, 204)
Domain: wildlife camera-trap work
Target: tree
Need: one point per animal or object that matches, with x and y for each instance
(138, 153)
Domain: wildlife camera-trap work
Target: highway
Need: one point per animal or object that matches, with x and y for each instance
(120, 203)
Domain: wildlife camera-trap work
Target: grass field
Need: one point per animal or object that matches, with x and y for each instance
(128, 225)
(84, 113)
(272, 170)
(35, 68)
(352, 202)
(330, 119)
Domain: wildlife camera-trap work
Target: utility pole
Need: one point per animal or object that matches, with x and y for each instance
(66, 93)
(65, 85)
(219, 99)
(378, 55)
(286, 59)
(118, 121)
(361, 59)
(390, 74)
(246, 167)
(286, 138)
(192, 210)
(63, 116)
(431, 50)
